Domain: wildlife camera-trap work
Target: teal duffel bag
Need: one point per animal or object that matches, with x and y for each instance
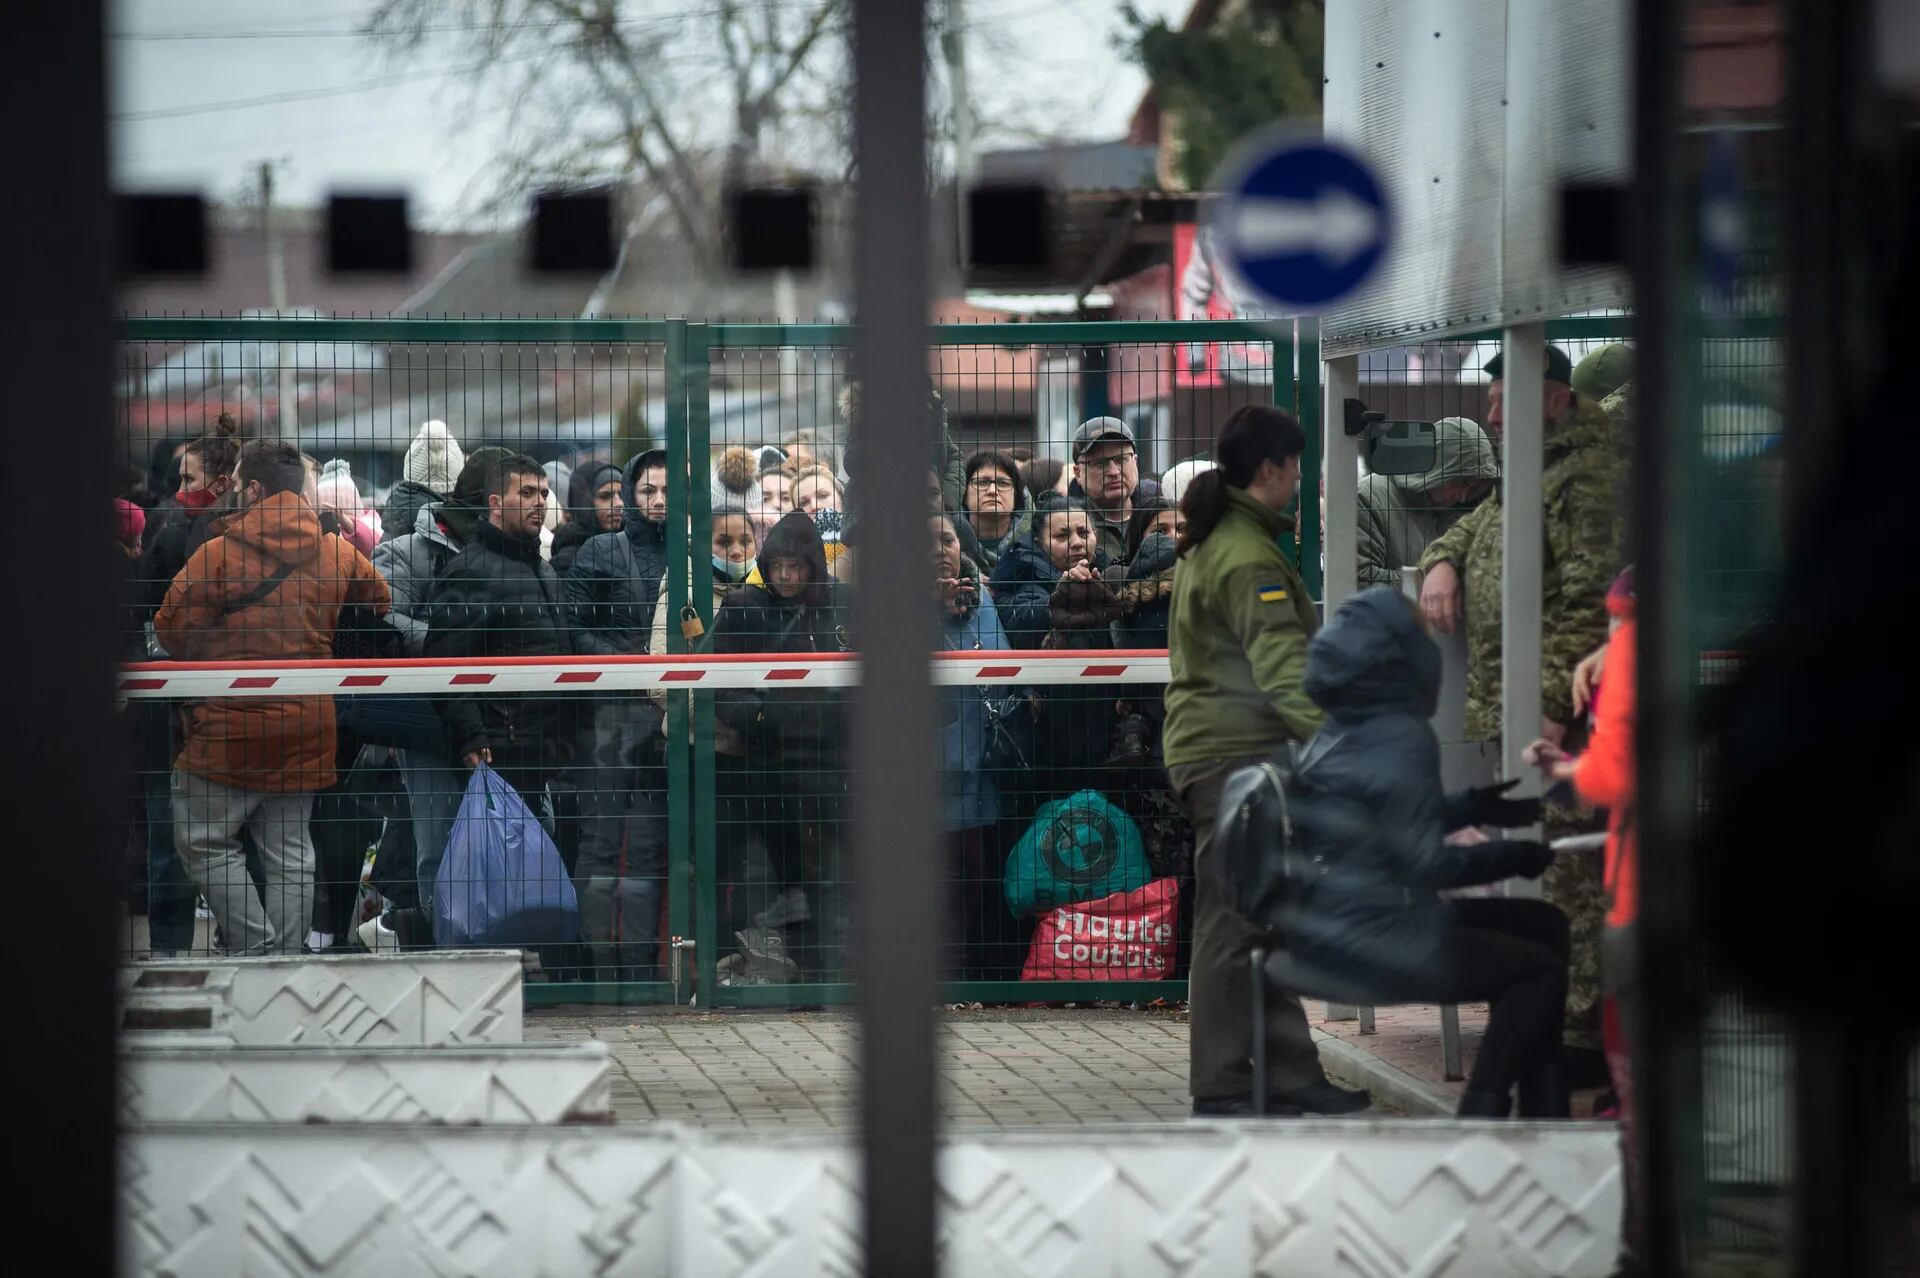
(1079, 848)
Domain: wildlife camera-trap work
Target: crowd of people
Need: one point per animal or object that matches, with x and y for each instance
(261, 810)
(264, 808)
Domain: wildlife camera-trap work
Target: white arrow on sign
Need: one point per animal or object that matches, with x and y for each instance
(1337, 227)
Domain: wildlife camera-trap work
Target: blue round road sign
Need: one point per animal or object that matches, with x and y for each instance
(1302, 221)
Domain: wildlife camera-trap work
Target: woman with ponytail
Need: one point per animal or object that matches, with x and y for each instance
(1237, 645)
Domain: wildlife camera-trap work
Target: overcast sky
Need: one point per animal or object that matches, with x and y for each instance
(347, 118)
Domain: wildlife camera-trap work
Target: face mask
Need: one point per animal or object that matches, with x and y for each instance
(198, 499)
(730, 570)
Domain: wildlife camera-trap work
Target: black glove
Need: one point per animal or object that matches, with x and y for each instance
(1488, 806)
(1527, 858)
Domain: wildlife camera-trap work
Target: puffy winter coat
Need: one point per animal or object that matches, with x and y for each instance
(411, 564)
(404, 504)
(1144, 587)
(499, 598)
(1369, 803)
(227, 606)
(613, 587)
(801, 730)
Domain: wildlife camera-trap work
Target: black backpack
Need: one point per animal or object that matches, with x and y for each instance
(1258, 853)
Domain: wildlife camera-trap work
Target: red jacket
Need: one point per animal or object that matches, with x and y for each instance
(1603, 776)
(264, 743)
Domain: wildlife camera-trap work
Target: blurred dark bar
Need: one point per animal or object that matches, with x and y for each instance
(63, 764)
(1660, 1022)
(895, 778)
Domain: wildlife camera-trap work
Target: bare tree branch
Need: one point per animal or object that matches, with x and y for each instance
(598, 89)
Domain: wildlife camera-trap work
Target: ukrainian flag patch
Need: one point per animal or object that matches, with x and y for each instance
(1273, 594)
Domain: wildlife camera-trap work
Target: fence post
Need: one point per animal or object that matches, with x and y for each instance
(1522, 560)
(1341, 453)
(696, 394)
(681, 885)
(1306, 394)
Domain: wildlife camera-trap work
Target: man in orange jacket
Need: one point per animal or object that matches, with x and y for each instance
(268, 586)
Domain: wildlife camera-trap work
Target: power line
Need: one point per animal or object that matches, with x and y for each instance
(665, 19)
(308, 95)
(359, 86)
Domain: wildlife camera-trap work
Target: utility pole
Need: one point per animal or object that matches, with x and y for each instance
(953, 43)
(289, 426)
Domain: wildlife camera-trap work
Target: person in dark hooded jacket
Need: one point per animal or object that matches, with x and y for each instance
(619, 782)
(793, 790)
(596, 505)
(1050, 590)
(1375, 818)
(613, 581)
(1144, 583)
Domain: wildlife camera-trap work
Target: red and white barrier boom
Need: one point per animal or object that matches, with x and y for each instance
(178, 680)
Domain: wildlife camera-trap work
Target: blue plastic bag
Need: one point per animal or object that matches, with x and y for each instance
(502, 881)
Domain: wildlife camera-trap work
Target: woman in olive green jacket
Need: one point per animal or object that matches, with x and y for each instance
(1237, 644)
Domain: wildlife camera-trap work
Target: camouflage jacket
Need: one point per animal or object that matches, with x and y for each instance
(1582, 486)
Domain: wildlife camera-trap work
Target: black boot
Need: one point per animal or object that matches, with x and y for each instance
(1543, 1092)
(1477, 1104)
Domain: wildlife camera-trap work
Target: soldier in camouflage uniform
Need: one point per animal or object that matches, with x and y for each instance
(1581, 487)
(1602, 372)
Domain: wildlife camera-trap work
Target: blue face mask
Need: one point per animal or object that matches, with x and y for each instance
(730, 570)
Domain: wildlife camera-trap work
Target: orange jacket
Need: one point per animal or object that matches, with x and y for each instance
(261, 743)
(1603, 776)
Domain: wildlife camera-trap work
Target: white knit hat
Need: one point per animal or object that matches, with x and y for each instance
(434, 458)
(1173, 484)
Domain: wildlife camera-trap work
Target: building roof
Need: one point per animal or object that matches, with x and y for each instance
(236, 278)
(1073, 166)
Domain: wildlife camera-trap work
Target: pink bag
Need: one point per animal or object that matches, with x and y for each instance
(1128, 936)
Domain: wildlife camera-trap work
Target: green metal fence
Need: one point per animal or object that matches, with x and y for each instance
(583, 391)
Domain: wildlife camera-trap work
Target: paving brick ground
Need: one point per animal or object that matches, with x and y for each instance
(1003, 1067)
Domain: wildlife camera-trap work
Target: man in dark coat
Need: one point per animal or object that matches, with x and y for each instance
(411, 564)
(499, 598)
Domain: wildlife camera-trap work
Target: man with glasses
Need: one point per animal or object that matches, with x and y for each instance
(1106, 471)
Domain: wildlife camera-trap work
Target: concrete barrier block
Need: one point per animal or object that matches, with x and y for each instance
(1495, 1200)
(527, 1083)
(433, 997)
